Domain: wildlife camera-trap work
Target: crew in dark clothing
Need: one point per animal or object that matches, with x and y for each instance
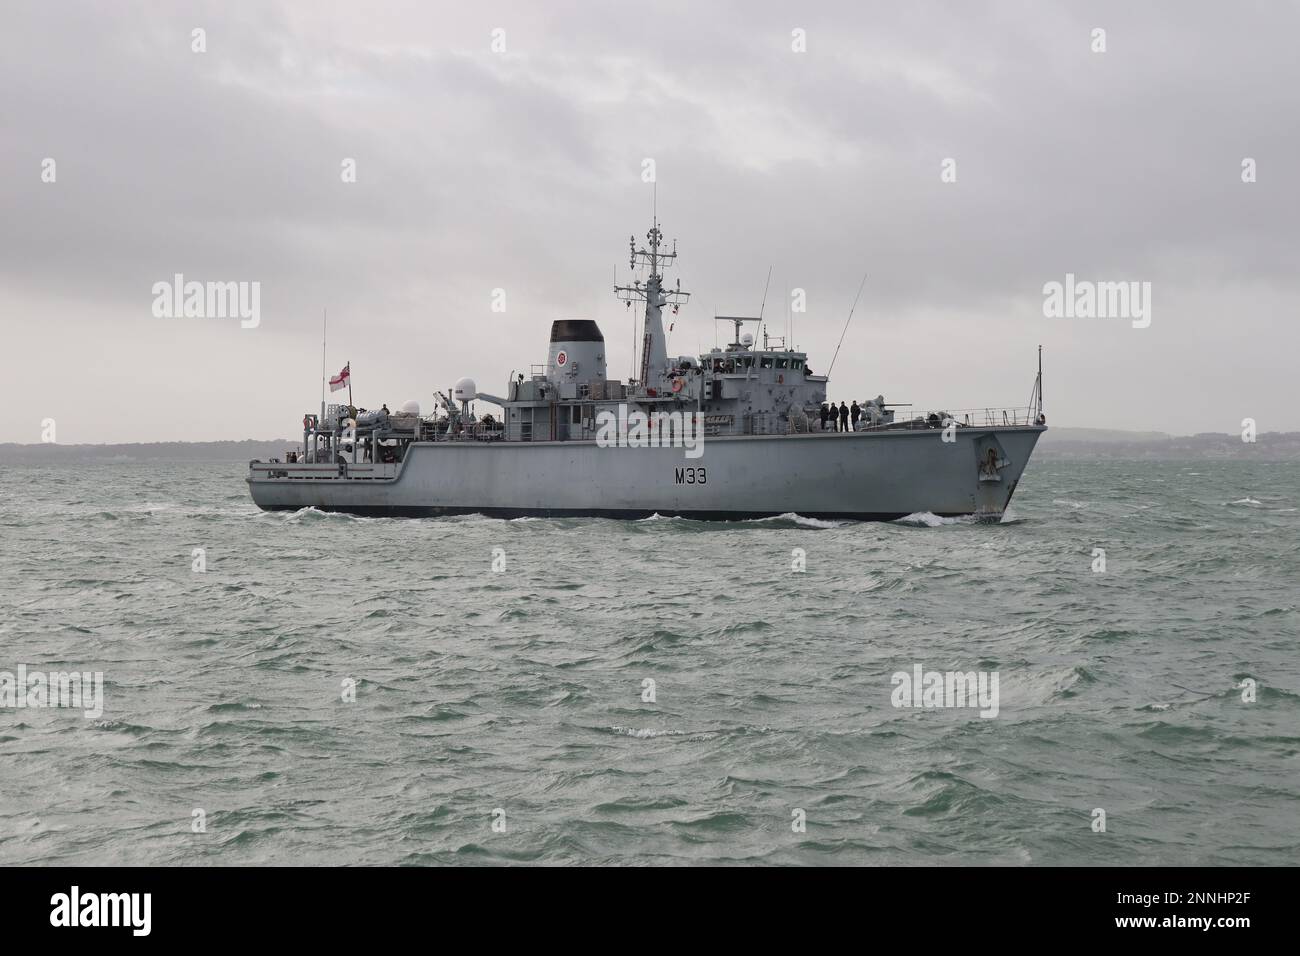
(826, 412)
(854, 414)
(844, 417)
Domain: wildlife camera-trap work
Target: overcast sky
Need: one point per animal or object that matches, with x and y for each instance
(522, 170)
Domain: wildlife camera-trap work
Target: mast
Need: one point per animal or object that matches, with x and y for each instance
(654, 346)
(324, 322)
(1036, 396)
(1040, 381)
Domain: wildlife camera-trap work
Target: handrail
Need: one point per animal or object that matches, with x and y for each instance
(985, 417)
(717, 425)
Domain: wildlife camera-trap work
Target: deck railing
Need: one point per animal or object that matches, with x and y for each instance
(986, 417)
(760, 423)
(357, 471)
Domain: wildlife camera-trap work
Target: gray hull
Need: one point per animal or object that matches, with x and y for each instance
(878, 475)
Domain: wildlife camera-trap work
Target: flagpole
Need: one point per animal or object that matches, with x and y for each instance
(348, 366)
(324, 321)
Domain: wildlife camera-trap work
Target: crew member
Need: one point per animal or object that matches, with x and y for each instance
(826, 412)
(854, 414)
(844, 417)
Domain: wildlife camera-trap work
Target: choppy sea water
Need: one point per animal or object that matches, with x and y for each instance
(516, 696)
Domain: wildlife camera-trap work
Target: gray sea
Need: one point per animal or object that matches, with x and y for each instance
(339, 690)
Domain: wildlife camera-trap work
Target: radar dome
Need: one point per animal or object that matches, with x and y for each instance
(465, 390)
(411, 408)
(746, 340)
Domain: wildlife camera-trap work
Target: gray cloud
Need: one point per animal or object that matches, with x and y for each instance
(479, 171)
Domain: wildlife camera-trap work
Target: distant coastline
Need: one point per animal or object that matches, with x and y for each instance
(1060, 442)
(50, 454)
(1157, 446)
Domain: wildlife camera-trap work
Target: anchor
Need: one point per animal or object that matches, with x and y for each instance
(991, 464)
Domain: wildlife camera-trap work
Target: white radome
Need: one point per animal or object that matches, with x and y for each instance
(411, 408)
(465, 390)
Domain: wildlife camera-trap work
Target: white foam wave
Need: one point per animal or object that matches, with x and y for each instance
(926, 519)
(313, 514)
(799, 520)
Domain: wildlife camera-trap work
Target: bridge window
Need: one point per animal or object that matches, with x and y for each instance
(765, 362)
(782, 363)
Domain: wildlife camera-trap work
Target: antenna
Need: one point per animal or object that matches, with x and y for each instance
(846, 324)
(324, 324)
(737, 321)
(789, 323)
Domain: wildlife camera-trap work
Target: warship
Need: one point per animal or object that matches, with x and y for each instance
(735, 433)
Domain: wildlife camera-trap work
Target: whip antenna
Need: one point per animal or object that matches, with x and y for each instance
(763, 304)
(846, 324)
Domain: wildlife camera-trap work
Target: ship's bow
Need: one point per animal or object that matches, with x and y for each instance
(1001, 456)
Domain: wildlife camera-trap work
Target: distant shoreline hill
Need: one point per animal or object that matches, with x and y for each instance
(1060, 443)
(51, 454)
(1057, 443)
